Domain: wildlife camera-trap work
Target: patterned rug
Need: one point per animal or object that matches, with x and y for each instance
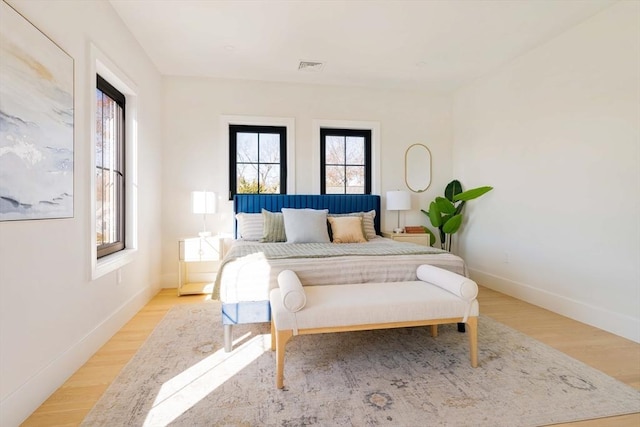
(401, 377)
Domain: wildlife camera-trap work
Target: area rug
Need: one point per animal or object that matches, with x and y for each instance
(400, 377)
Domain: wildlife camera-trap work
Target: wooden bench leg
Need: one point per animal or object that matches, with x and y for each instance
(472, 323)
(273, 335)
(434, 330)
(282, 337)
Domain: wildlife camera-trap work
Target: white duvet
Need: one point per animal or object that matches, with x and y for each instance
(251, 277)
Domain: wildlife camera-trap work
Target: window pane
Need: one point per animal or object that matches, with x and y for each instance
(269, 148)
(247, 182)
(112, 197)
(99, 202)
(119, 148)
(334, 190)
(334, 150)
(335, 180)
(355, 180)
(108, 213)
(107, 130)
(99, 131)
(247, 149)
(355, 150)
(118, 204)
(270, 179)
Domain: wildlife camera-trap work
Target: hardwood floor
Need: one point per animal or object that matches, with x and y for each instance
(617, 357)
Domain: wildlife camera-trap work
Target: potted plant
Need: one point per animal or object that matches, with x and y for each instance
(445, 213)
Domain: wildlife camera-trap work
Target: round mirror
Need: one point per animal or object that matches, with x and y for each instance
(417, 168)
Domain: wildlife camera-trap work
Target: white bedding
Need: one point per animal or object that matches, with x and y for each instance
(251, 277)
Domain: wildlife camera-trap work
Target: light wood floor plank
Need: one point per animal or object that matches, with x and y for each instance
(616, 356)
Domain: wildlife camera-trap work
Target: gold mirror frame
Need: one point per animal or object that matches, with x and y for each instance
(416, 162)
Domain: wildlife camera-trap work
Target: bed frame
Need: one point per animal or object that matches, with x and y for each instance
(260, 311)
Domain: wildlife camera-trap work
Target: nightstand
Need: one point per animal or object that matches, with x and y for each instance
(198, 262)
(417, 238)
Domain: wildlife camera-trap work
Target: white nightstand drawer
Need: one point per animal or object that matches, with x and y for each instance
(200, 249)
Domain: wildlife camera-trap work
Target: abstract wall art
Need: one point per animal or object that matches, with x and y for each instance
(36, 122)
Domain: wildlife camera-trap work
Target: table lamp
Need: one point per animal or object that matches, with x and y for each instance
(398, 201)
(203, 202)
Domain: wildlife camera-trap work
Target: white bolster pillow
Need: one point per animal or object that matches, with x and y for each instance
(458, 285)
(291, 290)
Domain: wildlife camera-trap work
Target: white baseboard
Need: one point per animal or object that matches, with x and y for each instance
(169, 280)
(17, 406)
(616, 323)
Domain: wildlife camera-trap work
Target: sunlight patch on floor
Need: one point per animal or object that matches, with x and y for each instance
(188, 388)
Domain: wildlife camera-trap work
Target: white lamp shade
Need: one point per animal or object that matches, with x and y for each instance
(203, 202)
(398, 200)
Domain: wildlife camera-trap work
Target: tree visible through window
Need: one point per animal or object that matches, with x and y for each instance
(257, 160)
(345, 165)
(110, 172)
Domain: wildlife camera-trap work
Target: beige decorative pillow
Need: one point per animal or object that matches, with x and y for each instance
(368, 223)
(347, 229)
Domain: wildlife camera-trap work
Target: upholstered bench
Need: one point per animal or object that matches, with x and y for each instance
(438, 297)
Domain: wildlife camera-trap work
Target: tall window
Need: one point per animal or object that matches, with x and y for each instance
(110, 173)
(345, 161)
(257, 160)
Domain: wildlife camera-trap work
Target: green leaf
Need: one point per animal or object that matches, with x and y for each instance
(452, 225)
(472, 194)
(434, 215)
(445, 205)
(446, 218)
(459, 208)
(432, 237)
(453, 188)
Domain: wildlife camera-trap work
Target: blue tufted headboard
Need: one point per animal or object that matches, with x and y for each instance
(336, 203)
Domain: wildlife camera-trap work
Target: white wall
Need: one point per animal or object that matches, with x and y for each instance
(196, 156)
(557, 133)
(52, 316)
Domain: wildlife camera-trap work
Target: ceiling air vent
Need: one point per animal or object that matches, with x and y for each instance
(310, 66)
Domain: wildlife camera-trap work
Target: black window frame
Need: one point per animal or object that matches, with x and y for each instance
(119, 244)
(366, 134)
(233, 154)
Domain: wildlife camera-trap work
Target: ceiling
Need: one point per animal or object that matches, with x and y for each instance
(429, 45)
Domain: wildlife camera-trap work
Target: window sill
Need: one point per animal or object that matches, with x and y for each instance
(112, 262)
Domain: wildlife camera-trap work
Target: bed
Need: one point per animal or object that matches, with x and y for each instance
(250, 267)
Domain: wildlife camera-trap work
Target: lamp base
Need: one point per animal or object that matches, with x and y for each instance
(398, 230)
(204, 234)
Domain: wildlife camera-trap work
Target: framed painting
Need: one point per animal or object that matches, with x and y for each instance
(36, 122)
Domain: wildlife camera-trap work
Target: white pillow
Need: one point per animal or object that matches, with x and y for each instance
(458, 285)
(305, 225)
(292, 291)
(250, 225)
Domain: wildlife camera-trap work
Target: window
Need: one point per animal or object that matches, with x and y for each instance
(124, 248)
(345, 161)
(257, 160)
(110, 169)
